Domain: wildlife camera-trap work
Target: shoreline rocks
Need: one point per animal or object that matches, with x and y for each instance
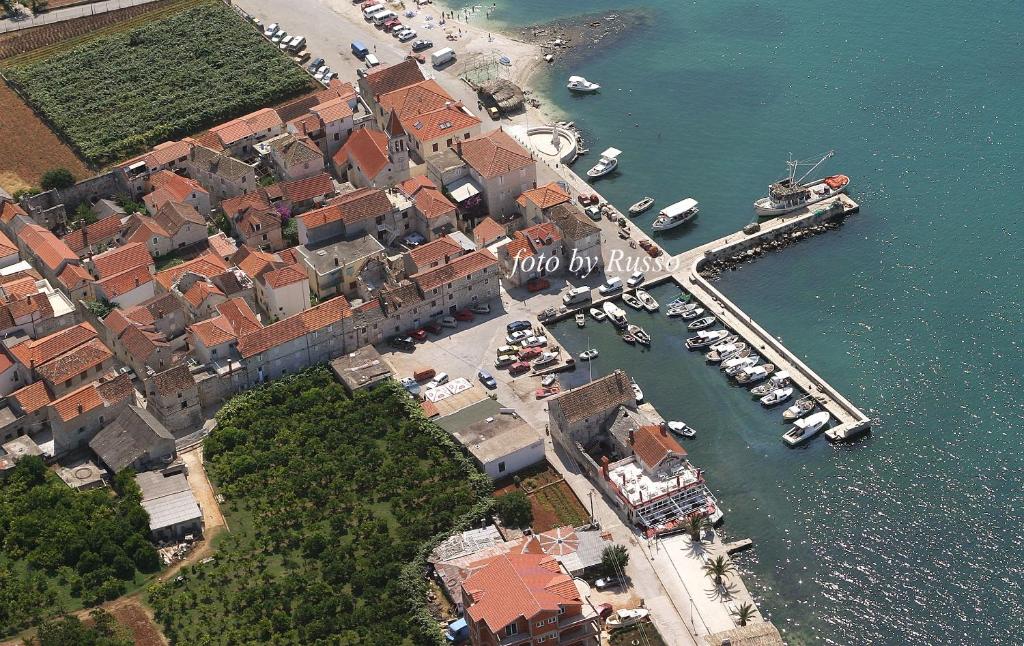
(713, 270)
(566, 38)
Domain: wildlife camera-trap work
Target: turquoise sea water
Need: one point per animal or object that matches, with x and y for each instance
(912, 309)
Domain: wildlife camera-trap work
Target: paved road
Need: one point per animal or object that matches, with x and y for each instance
(25, 19)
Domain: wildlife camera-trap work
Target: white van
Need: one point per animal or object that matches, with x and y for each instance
(370, 11)
(577, 295)
(379, 18)
(612, 285)
(442, 56)
(371, 61)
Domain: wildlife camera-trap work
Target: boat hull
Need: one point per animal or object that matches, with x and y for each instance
(764, 209)
(666, 225)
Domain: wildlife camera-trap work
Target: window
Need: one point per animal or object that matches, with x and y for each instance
(552, 620)
(511, 629)
(448, 143)
(501, 467)
(465, 136)
(435, 148)
(184, 405)
(561, 610)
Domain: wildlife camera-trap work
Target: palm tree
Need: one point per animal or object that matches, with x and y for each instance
(697, 525)
(744, 613)
(718, 568)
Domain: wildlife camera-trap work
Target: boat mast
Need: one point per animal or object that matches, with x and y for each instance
(820, 162)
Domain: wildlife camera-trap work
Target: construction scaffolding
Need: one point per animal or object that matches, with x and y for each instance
(488, 74)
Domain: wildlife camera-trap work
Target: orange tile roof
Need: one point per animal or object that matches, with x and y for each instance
(253, 261)
(121, 259)
(21, 287)
(235, 319)
(221, 245)
(432, 203)
(120, 284)
(7, 248)
(438, 124)
(75, 362)
(74, 276)
(214, 331)
(200, 291)
(519, 247)
(92, 396)
(494, 154)
(652, 444)
(117, 321)
(544, 196)
(487, 231)
(303, 190)
(143, 228)
(442, 248)
(8, 211)
(32, 397)
(332, 110)
(382, 80)
(454, 270)
(247, 126)
(538, 234)
(349, 208)
(305, 125)
(178, 188)
(172, 216)
(293, 327)
(5, 362)
(162, 154)
(98, 232)
(506, 587)
(237, 311)
(414, 184)
(284, 276)
(206, 265)
(141, 344)
(367, 148)
(415, 99)
(39, 351)
(50, 249)
(237, 205)
(36, 306)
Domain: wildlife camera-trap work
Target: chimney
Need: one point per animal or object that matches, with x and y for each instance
(677, 482)
(632, 436)
(623, 479)
(604, 467)
(664, 429)
(80, 409)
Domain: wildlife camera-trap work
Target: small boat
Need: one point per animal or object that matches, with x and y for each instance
(755, 374)
(641, 206)
(632, 301)
(628, 338)
(680, 428)
(647, 300)
(680, 309)
(587, 355)
(544, 359)
(639, 334)
(729, 350)
(803, 406)
(541, 393)
(580, 319)
(615, 314)
(779, 380)
(637, 393)
(806, 428)
(581, 85)
(682, 299)
(777, 396)
(732, 338)
(704, 338)
(733, 367)
(702, 323)
(676, 215)
(791, 193)
(597, 314)
(692, 313)
(626, 617)
(548, 380)
(609, 161)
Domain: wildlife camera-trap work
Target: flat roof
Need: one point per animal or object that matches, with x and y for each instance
(172, 509)
(322, 256)
(637, 485)
(497, 436)
(361, 368)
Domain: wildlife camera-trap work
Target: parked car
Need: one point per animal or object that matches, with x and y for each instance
(439, 379)
(537, 284)
(480, 308)
(518, 368)
(271, 30)
(506, 349)
(402, 343)
(636, 279)
(515, 326)
(406, 36)
(421, 45)
(594, 213)
(414, 239)
(464, 315)
(518, 336)
(419, 335)
(609, 582)
(324, 71)
(449, 321)
(535, 342)
(505, 360)
(486, 379)
(611, 285)
(419, 58)
(278, 37)
(411, 385)
(434, 327)
(526, 354)
(316, 65)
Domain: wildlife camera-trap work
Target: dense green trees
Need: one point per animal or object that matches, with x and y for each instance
(70, 631)
(515, 509)
(52, 537)
(614, 559)
(57, 178)
(333, 503)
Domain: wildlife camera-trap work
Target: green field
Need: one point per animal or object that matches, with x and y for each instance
(120, 94)
(333, 504)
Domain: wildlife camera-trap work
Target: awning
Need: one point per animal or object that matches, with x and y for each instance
(462, 189)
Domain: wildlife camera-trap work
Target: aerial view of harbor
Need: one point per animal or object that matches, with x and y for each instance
(437, 322)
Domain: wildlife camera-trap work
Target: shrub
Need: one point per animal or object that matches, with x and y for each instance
(515, 510)
(57, 178)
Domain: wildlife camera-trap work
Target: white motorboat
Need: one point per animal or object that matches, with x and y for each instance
(547, 381)
(632, 301)
(609, 161)
(587, 355)
(733, 367)
(777, 396)
(615, 314)
(680, 428)
(755, 374)
(704, 338)
(647, 300)
(692, 313)
(779, 380)
(732, 338)
(580, 319)
(626, 617)
(681, 309)
(723, 351)
(790, 193)
(637, 393)
(597, 314)
(544, 359)
(702, 323)
(676, 215)
(641, 206)
(806, 428)
(639, 334)
(803, 406)
(581, 85)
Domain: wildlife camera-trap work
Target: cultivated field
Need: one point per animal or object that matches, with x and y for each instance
(116, 96)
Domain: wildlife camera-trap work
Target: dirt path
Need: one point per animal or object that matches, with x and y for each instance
(202, 489)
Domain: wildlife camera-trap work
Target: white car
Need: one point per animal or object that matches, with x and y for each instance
(271, 29)
(535, 342)
(401, 32)
(279, 36)
(406, 36)
(322, 73)
(439, 379)
(636, 279)
(519, 336)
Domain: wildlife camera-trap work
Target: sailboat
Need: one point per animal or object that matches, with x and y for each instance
(789, 194)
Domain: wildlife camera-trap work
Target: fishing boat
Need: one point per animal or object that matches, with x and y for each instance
(632, 301)
(682, 299)
(544, 359)
(581, 85)
(722, 352)
(792, 193)
(597, 314)
(803, 406)
(702, 323)
(679, 309)
(647, 300)
(676, 215)
(609, 161)
(639, 334)
(704, 338)
(755, 374)
(777, 396)
(615, 314)
(580, 319)
(806, 428)
(637, 393)
(548, 380)
(692, 313)
(680, 428)
(641, 206)
(779, 380)
(626, 617)
(733, 367)
(587, 355)
(628, 338)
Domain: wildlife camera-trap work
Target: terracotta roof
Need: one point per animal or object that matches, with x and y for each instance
(597, 397)
(121, 259)
(36, 307)
(519, 247)
(349, 208)
(494, 154)
(653, 443)
(544, 196)
(116, 322)
(302, 190)
(236, 205)
(332, 110)
(400, 296)
(237, 311)
(429, 200)
(506, 587)
(284, 276)
(382, 80)
(253, 261)
(74, 276)
(206, 265)
(414, 184)
(439, 123)
(454, 270)
(440, 249)
(296, 150)
(8, 248)
(235, 319)
(200, 291)
(32, 397)
(171, 187)
(221, 244)
(541, 232)
(98, 232)
(415, 99)
(487, 231)
(8, 211)
(247, 126)
(93, 396)
(214, 331)
(174, 380)
(75, 362)
(5, 362)
(268, 268)
(172, 216)
(141, 344)
(367, 148)
(162, 154)
(571, 222)
(39, 351)
(305, 124)
(143, 228)
(20, 283)
(48, 248)
(293, 327)
(394, 127)
(126, 281)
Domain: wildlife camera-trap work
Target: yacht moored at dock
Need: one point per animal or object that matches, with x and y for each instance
(676, 215)
(790, 193)
(647, 300)
(806, 428)
(615, 314)
(580, 85)
(609, 161)
(704, 338)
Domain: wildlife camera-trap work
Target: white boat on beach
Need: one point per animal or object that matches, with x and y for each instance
(790, 193)
(609, 161)
(676, 215)
(702, 323)
(597, 314)
(626, 617)
(632, 301)
(641, 206)
(639, 334)
(587, 355)
(755, 374)
(804, 429)
(544, 359)
(704, 338)
(777, 396)
(615, 314)
(581, 85)
(803, 406)
(680, 428)
(647, 300)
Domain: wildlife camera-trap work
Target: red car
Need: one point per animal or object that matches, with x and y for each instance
(537, 284)
(527, 354)
(389, 24)
(464, 315)
(433, 327)
(419, 335)
(518, 368)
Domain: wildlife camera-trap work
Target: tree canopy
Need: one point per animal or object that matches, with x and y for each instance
(515, 509)
(57, 178)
